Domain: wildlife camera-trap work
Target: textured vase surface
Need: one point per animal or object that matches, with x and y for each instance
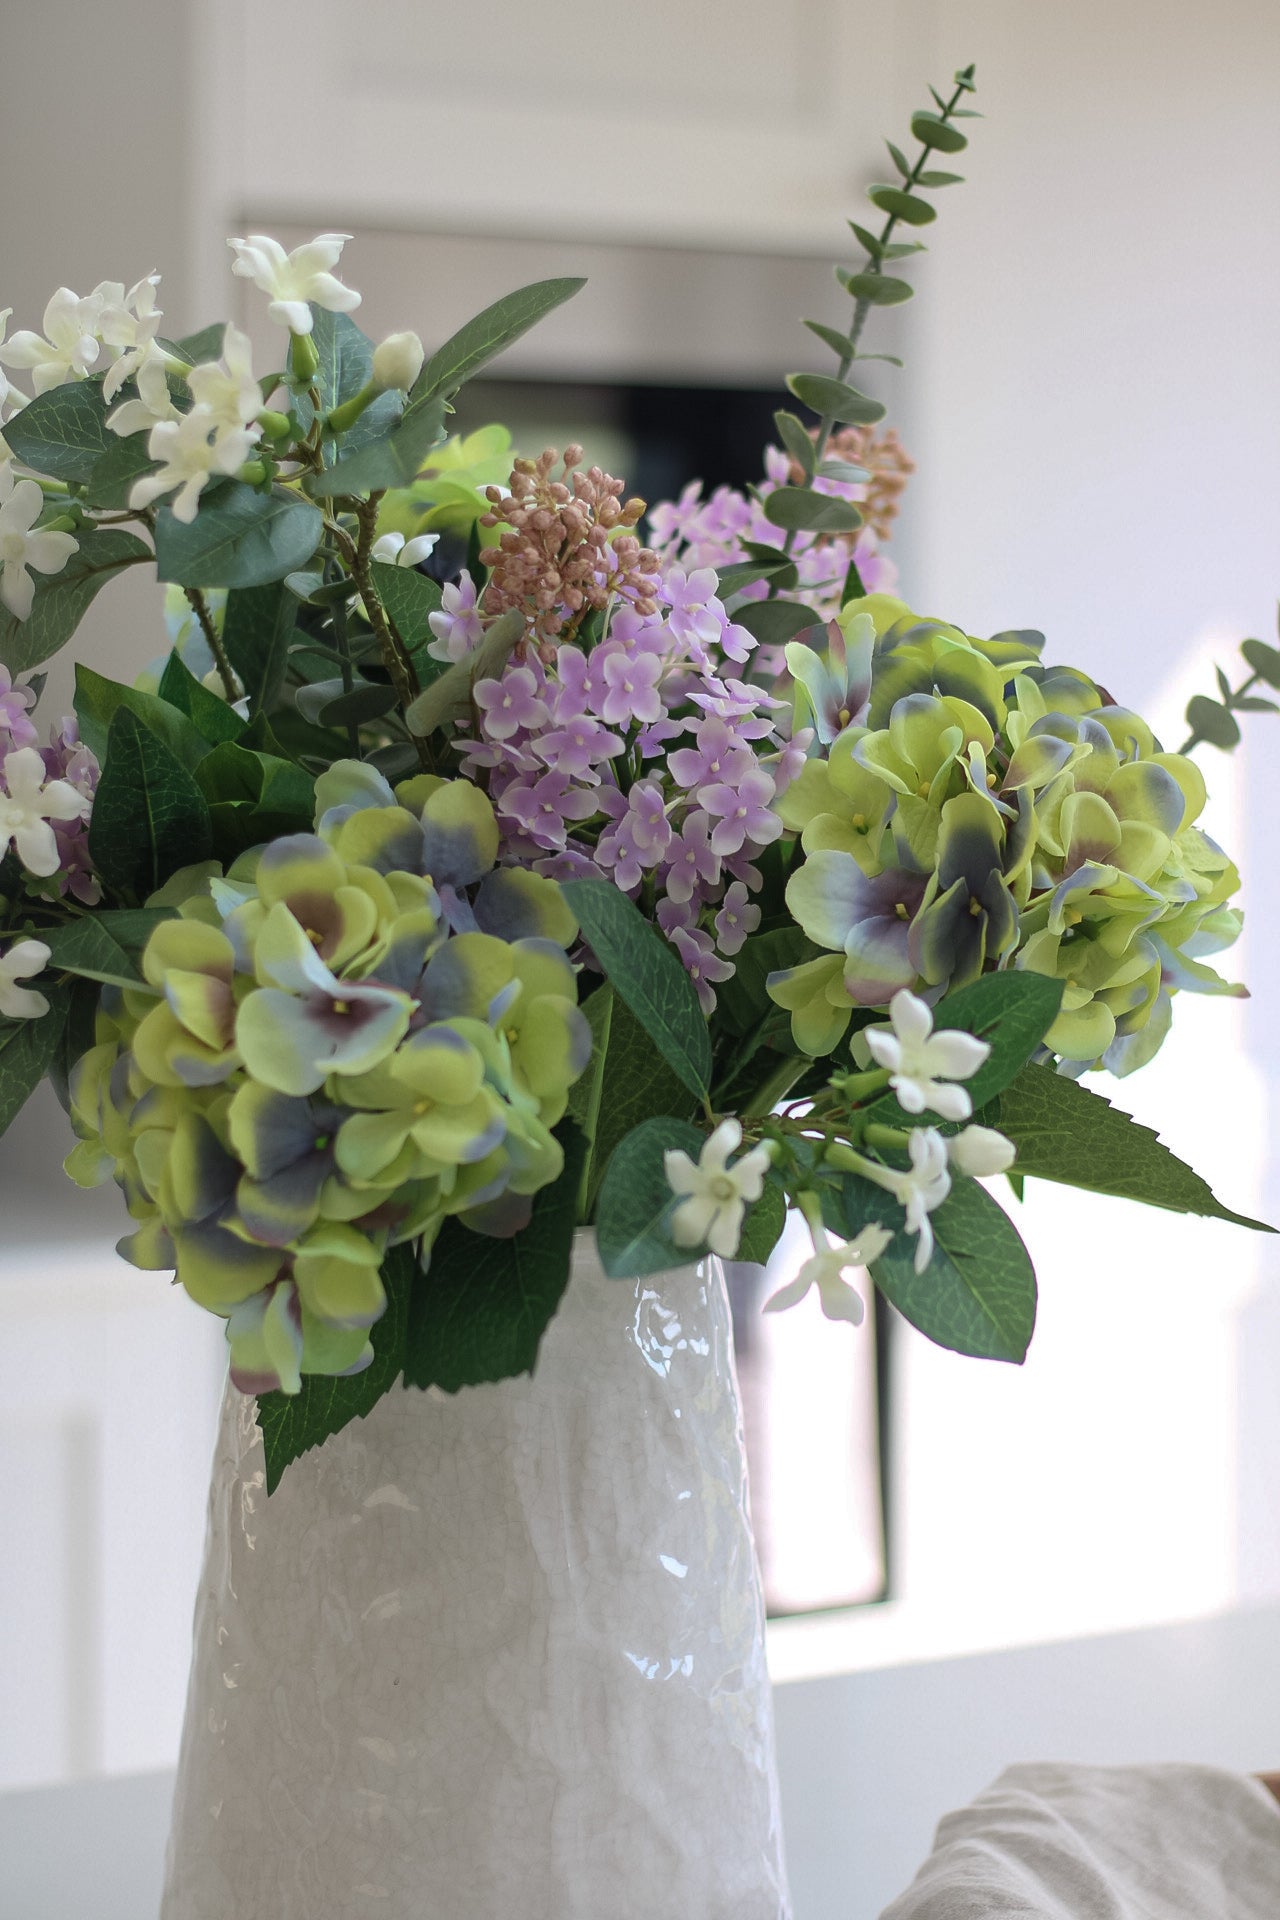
(496, 1655)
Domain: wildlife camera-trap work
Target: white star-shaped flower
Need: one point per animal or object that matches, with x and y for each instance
(227, 386)
(24, 958)
(192, 450)
(396, 551)
(293, 280)
(918, 1188)
(825, 1269)
(27, 804)
(154, 401)
(713, 1194)
(127, 326)
(69, 348)
(921, 1062)
(23, 545)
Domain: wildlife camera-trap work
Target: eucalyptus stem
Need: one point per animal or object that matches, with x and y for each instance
(200, 607)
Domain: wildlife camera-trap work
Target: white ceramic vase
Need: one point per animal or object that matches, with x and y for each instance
(493, 1654)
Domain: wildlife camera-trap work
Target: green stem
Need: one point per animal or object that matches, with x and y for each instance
(346, 670)
(200, 607)
(1195, 738)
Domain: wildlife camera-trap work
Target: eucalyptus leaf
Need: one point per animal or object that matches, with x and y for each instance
(114, 473)
(199, 348)
(62, 599)
(932, 131)
(775, 621)
(835, 398)
(879, 289)
(242, 537)
(871, 241)
(1211, 722)
(831, 337)
(1263, 660)
(843, 470)
(802, 508)
(744, 573)
(902, 206)
(795, 438)
(364, 703)
(392, 459)
(899, 159)
(933, 178)
(647, 974)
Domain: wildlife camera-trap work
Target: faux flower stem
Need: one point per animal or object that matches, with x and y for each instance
(394, 658)
(200, 607)
(343, 651)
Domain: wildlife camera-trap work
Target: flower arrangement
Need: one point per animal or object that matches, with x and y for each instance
(397, 926)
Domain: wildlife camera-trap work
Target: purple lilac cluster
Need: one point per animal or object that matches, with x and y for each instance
(65, 758)
(712, 532)
(648, 761)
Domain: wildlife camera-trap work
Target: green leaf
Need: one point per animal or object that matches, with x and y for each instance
(345, 355)
(843, 470)
(1211, 722)
(241, 538)
(741, 573)
(86, 948)
(978, 1293)
(795, 438)
(902, 206)
(366, 701)
(409, 598)
(1224, 685)
(212, 718)
(636, 1199)
(131, 927)
(871, 241)
(253, 797)
(903, 249)
(483, 1304)
(63, 433)
(27, 1049)
(256, 628)
(197, 349)
(149, 816)
(98, 700)
(836, 398)
(775, 621)
(390, 460)
(483, 338)
(294, 1423)
(799, 508)
(1066, 1132)
(646, 973)
(933, 178)
(62, 599)
(1250, 703)
(830, 337)
(762, 1227)
(899, 159)
(114, 473)
(635, 1082)
(932, 131)
(743, 1000)
(1012, 1011)
(879, 289)
(1264, 660)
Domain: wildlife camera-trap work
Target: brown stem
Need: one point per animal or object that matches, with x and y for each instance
(395, 656)
(200, 607)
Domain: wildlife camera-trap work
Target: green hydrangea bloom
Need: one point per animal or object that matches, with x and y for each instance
(352, 1035)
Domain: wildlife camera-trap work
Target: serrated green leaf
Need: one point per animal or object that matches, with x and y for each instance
(879, 289)
(86, 948)
(1263, 660)
(1068, 1133)
(98, 700)
(902, 206)
(803, 508)
(212, 718)
(257, 625)
(1012, 1011)
(635, 1201)
(835, 398)
(646, 973)
(795, 438)
(149, 816)
(978, 1293)
(634, 1082)
(241, 538)
(762, 1225)
(27, 1049)
(932, 131)
(830, 337)
(294, 1423)
(62, 433)
(62, 599)
(483, 338)
(410, 598)
(1211, 722)
(482, 1306)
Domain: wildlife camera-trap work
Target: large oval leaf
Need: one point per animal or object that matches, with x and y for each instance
(241, 537)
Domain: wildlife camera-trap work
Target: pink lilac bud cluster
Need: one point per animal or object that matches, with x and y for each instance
(67, 758)
(648, 761)
(713, 532)
(566, 545)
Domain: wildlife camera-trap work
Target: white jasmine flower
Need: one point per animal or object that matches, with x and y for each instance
(29, 805)
(294, 279)
(154, 401)
(397, 361)
(825, 1270)
(714, 1195)
(127, 325)
(396, 551)
(23, 545)
(191, 455)
(24, 958)
(923, 1186)
(981, 1151)
(227, 386)
(920, 1060)
(70, 346)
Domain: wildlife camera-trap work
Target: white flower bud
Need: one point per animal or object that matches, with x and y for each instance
(981, 1151)
(397, 361)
